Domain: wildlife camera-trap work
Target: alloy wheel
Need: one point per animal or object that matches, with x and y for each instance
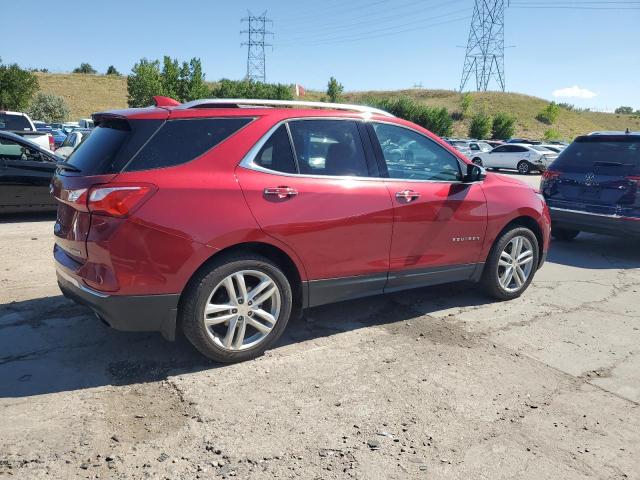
(515, 264)
(242, 310)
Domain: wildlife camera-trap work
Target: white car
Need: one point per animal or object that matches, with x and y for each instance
(75, 138)
(516, 156)
(554, 148)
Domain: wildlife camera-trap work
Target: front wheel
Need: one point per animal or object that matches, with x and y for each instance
(524, 167)
(512, 263)
(237, 308)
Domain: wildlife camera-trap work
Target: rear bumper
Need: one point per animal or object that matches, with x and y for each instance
(594, 222)
(132, 313)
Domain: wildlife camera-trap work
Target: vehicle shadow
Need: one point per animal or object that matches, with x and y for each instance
(596, 252)
(50, 345)
(27, 217)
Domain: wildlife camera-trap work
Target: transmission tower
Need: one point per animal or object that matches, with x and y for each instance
(255, 43)
(485, 47)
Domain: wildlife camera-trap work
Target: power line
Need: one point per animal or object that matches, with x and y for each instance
(256, 32)
(484, 56)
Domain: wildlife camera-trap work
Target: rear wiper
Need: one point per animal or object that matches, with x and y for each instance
(66, 166)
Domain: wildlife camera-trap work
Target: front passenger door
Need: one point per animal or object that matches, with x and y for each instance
(439, 222)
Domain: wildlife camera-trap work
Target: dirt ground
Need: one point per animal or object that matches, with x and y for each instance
(432, 383)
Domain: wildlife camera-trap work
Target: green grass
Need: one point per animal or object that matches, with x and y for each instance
(86, 94)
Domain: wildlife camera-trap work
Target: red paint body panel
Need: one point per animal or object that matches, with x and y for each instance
(333, 228)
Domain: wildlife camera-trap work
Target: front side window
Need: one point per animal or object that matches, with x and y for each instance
(411, 156)
(12, 151)
(503, 149)
(276, 153)
(328, 147)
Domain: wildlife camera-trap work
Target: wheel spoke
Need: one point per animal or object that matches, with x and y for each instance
(242, 328)
(506, 256)
(506, 278)
(242, 287)
(517, 247)
(210, 321)
(231, 330)
(231, 290)
(213, 308)
(265, 315)
(519, 276)
(258, 289)
(265, 295)
(262, 328)
(504, 263)
(525, 257)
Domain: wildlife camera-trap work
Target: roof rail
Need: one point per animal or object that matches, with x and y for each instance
(243, 102)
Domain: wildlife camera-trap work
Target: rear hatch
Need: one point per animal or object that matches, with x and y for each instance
(597, 174)
(96, 161)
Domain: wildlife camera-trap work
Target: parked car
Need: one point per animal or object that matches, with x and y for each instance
(68, 127)
(85, 123)
(513, 156)
(523, 141)
(71, 142)
(594, 186)
(479, 146)
(494, 143)
(20, 124)
(58, 137)
(554, 147)
(25, 174)
(226, 221)
(461, 145)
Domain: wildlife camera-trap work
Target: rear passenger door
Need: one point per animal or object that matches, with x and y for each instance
(311, 184)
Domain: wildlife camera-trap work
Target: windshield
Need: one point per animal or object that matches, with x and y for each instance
(14, 122)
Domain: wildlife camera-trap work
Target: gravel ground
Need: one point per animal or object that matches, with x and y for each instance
(432, 383)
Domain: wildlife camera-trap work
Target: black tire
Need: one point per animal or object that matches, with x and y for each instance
(489, 280)
(524, 167)
(477, 161)
(196, 296)
(564, 234)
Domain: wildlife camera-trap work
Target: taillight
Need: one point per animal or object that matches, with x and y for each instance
(52, 142)
(118, 200)
(550, 174)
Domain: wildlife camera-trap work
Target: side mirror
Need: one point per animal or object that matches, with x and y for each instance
(475, 173)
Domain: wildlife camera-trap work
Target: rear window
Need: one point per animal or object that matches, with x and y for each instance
(612, 156)
(14, 122)
(179, 141)
(111, 145)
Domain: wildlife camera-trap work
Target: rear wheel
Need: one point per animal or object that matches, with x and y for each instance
(512, 263)
(564, 234)
(524, 167)
(237, 309)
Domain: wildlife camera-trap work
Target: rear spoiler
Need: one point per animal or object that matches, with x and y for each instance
(161, 101)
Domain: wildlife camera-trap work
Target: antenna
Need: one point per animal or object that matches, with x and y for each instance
(256, 32)
(485, 47)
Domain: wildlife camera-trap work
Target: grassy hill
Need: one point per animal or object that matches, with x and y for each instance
(86, 94)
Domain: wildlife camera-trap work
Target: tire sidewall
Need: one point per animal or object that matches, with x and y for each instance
(527, 165)
(193, 313)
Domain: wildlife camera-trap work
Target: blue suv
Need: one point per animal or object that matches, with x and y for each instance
(594, 186)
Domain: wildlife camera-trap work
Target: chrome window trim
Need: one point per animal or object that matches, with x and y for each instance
(248, 160)
(581, 212)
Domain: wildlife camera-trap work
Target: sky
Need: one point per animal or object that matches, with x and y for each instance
(587, 56)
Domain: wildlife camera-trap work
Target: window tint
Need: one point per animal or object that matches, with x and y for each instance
(412, 156)
(619, 156)
(14, 122)
(179, 141)
(502, 149)
(519, 149)
(14, 151)
(328, 147)
(276, 154)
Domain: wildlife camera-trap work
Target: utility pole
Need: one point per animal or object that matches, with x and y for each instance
(255, 43)
(485, 48)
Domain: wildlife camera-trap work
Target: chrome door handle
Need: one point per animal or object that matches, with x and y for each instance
(407, 195)
(281, 192)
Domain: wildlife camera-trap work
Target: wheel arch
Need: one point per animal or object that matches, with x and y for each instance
(532, 224)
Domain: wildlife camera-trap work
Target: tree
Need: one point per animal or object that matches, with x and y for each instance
(48, 108)
(434, 119)
(17, 87)
(112, 71)
(191, 81)
(144, 83)
(551, 134)
(503, 126)
(85, 68)
(480, 126)
(549, 114)
(226, 88)
(466, 101)
(624, 110)
(334, 90)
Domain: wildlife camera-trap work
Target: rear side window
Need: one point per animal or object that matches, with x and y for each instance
(14, 122)
(620, 156)
(111, 145)
(179, 141)
(276, 154)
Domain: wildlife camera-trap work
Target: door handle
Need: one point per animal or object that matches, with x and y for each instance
(281, 192)
(407, 195)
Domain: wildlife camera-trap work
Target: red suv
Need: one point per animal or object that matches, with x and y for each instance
(223, 218)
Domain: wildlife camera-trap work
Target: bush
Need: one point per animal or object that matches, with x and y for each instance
(437, 120)
(503, 126)
(567, 106)
(48, 108)
(551, 134)
(549, 114)
(624, 110)
(17, 87)
(183, 83)
(334, 90)
(480, 126)
(85, 68)
(112, 71)
(226, 88)
(466, 101)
